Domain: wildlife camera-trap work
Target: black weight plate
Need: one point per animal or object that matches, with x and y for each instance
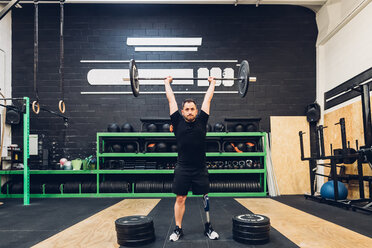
(135, 221)
(250, 228)
(250, 219)
(133, 74)
(16, 188)
(52, 188)
(155, 187)
(250, 241)
(135, 235)
(259, 186)
(251, 235)
(36, 188)
(138, 242)
(136, 187)
(148, 187)
(147, 236)
(243, 78)
(115, 186)
(134, 229)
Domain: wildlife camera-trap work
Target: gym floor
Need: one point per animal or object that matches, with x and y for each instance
(89, 222)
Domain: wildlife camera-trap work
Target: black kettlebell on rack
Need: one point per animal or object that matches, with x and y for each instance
(152, 128)
(113, 127)
(219, 127)
(126, 127)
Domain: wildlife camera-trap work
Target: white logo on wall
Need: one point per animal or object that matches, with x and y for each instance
(166, 44)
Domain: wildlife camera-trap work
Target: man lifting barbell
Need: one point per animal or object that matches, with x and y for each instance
(191, 171)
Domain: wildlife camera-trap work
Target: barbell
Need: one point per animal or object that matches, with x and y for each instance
(243, 78)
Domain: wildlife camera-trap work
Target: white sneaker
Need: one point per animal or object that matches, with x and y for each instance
(177, 234)
(209, 232)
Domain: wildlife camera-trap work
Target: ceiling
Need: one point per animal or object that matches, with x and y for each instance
(312, 4)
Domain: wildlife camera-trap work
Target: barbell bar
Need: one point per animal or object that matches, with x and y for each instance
(243, 78)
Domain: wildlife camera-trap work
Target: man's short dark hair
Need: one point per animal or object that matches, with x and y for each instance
(188, 100)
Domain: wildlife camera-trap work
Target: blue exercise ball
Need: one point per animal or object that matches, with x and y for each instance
(327, 190)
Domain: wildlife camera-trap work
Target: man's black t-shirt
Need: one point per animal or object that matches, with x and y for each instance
(190, 138)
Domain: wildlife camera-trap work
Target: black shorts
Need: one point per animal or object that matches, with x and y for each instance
(197, 181)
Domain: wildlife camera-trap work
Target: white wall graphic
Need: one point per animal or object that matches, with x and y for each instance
(115, 76)
(165, 44)
(107, 77)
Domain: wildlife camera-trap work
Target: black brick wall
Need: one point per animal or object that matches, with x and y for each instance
(278, 41)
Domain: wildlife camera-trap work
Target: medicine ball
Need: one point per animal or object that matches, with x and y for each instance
(239, 128)
(229, 147)
(166, 127)
(327, 190)
(173, 148)
(242, 147)
(126, 127)
(117, 148)
(219, 127)
(161, 147)
(129, 148)
(113, 127)
(209, 127)
(251, 128)
(151, 147)
(152, 127)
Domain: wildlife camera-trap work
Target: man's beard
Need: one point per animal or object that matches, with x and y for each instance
(190, 118)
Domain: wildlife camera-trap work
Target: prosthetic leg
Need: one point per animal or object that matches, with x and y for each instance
(208, 230)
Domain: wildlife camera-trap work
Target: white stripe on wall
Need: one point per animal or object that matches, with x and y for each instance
(166, 41)
(165, 49)
(115, 76)
(158, 61)
(152, 92)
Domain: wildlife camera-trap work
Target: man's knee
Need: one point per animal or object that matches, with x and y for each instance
(180, 199)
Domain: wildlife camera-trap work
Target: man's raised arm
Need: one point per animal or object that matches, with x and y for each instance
(208, 95)
(170, 95)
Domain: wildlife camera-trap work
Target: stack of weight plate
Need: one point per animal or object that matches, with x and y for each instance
(135, 230)
(251, 228)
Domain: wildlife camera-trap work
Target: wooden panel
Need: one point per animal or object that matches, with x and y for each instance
(354, 131)
(304, 229)
(291, 173)
(99, 230)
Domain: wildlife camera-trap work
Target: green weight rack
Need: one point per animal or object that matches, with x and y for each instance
(101, 137)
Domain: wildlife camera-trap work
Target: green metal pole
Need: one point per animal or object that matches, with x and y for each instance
(26, 155)
(98, 152)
